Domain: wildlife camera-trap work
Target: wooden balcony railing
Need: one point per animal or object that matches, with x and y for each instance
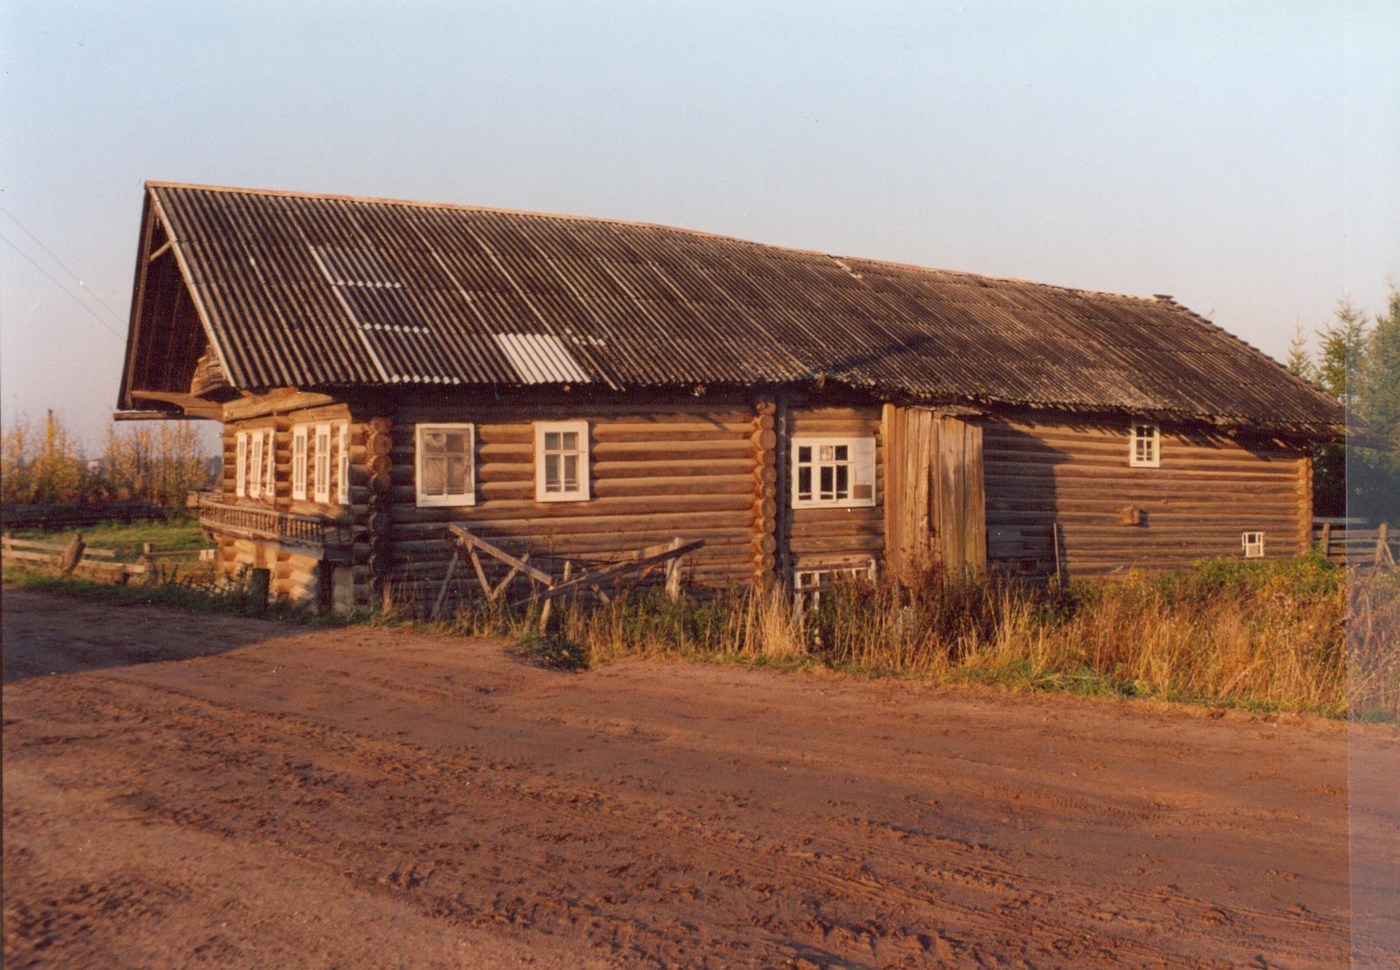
(312, 532)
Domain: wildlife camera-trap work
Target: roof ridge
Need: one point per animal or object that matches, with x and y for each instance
(464, 207)
(641, 224)
(898, 264)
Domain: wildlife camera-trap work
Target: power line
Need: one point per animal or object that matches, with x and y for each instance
(115, 315)
(58, 283)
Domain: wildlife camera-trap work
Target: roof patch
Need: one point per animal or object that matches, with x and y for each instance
(540, 358)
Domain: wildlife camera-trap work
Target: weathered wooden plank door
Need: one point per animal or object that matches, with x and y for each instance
(935, 496)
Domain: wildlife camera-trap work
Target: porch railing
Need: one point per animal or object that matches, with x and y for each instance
(251, 522)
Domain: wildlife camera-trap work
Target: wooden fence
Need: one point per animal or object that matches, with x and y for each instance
(1355, 542)
(66, 516)
(66, 558)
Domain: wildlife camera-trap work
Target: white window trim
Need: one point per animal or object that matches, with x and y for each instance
(425, 501)
(270, 465)
(240, 464)
(1253, 544)
(342, 472)
(255, 465)
(861, 461)
(581, 494)
(1135, 436)
(300, 445)
(321, 464)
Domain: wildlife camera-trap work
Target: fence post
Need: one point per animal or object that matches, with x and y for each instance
(1325, 543)
(1382, 544)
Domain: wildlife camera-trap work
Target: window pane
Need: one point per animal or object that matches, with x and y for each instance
(841, 452)
(434, 440)
(455, 442)
(434, 475)
(571, 472)
(551, 441)
(551, 473)
(570, 440)
(826, 482)
(804, 482)
(825, 452)
(843, 484)
(804, 454)
(456, 470)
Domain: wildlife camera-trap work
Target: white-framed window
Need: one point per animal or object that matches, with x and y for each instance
(255, 465)
(240, 464)
(299, 449)
(321, 464)
(269, 467)
(1253, 543)
(443, 464)
(833, 472)
(561, 461)
(342, 471)
(1145, 446)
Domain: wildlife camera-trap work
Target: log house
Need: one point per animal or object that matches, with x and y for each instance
(578, 388)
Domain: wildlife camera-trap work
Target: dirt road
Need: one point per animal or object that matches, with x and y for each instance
(188, 788)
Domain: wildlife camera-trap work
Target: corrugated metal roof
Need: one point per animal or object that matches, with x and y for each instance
(314, 290)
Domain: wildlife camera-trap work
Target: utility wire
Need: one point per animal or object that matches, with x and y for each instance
(76, 279)
(56, 282)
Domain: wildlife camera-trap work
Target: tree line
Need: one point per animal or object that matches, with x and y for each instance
(156, 462)
(1357, 361)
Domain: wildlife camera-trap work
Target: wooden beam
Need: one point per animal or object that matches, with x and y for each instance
(165, 248)
(188, 403)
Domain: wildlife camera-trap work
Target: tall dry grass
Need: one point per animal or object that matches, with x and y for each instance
(1261, 635)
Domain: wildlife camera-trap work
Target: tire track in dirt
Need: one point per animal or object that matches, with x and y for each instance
(689, 817)
(733, 857)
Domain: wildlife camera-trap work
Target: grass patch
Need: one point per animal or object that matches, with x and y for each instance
(224, 596)
(1267, 637)
(127, 538)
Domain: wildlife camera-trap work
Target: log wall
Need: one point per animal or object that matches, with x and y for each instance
(1208, 490)
(688, 470)
(823, 536)
(295, 576)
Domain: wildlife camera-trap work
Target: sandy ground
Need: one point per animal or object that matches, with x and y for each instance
(184, 789)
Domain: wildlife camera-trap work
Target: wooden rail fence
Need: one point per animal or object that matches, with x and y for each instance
(75, 555)
(1352, 542)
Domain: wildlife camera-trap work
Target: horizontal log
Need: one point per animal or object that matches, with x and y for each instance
(648, 506)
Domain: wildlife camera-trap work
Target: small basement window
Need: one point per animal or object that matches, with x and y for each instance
(561, 461)
(833, 472)
(1145, 446)
(1253, 543)
(443, 464)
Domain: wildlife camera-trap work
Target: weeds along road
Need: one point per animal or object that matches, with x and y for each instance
(185, 789)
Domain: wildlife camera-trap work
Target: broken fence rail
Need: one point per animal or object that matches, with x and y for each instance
(574, 579)
(68, 557)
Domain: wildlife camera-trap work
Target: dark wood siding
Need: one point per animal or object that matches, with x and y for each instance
(655, 473)
(1208, 490)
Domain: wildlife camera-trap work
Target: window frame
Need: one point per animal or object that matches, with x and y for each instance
(860, 462)
(1254, 549)
(1154, 445)
(240, 464)
(583, 492)
(320, 485)
(255, 464)
(300, 446)
(269, 470)
(342, 469)
(447, 500)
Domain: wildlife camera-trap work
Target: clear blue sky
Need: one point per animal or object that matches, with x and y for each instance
(1243, 157)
